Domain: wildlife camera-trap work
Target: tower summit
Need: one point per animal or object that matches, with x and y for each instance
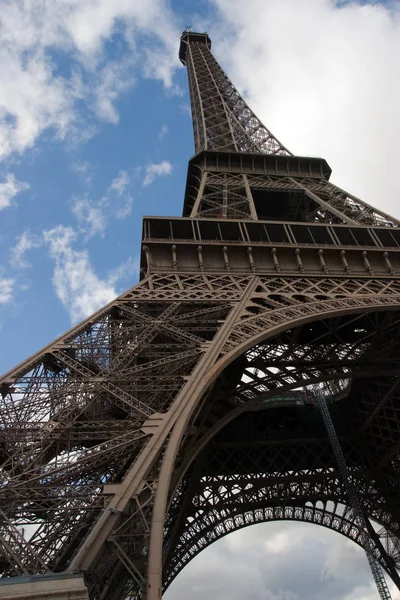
(252, 375)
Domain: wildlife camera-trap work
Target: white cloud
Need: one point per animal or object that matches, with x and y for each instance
(120, 183)
(155, 170)
(125, 209)
(76, 284)
(324, 79)
(81, 167)
(119, 200)
(27, 241)
(163, 132)
(6, 290)
(89, 215)
(35, 96)
(113, 80)
(125, 271)
(31, 98)
(9, 189)
(186, 110)
(84, 172)
(93, 216)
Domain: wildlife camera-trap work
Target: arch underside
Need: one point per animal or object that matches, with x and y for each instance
(260, 451)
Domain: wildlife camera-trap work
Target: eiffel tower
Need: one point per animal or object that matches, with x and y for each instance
(252, 375)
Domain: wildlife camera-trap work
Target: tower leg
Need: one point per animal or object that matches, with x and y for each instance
(188, 404)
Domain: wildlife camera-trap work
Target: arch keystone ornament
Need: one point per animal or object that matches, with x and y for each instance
(252, 375)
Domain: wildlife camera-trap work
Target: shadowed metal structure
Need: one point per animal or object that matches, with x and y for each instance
(184, 409)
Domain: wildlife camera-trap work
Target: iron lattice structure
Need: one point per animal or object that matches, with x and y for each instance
(183, 410)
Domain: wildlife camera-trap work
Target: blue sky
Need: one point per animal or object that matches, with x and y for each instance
(95, 131)
(93, 181)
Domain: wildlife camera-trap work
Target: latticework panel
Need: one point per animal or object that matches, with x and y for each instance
(342, 202)
(299, 199)
(224, 196)
(72, 422)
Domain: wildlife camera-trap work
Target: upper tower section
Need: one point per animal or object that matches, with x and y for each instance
(242, 171)
(221, 118)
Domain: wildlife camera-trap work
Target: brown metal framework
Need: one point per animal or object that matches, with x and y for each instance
(183, 410)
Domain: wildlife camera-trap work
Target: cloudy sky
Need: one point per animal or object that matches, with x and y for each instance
(277, 561)
(95, 132)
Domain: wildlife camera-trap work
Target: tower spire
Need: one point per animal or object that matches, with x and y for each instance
(221, 118)
(270, 183)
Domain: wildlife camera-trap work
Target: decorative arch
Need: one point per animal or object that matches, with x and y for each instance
(359, 308)
(332, 516)
(267, 323)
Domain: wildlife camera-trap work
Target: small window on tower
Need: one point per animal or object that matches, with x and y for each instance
(362, 236)
(230, 231)
(302, 234)
(276, 233)
(385, 237)
(345, 236)
(209, 230)
(182, 230)
(257, 232)
(395, 233)
(320, 234)
(160, 229)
